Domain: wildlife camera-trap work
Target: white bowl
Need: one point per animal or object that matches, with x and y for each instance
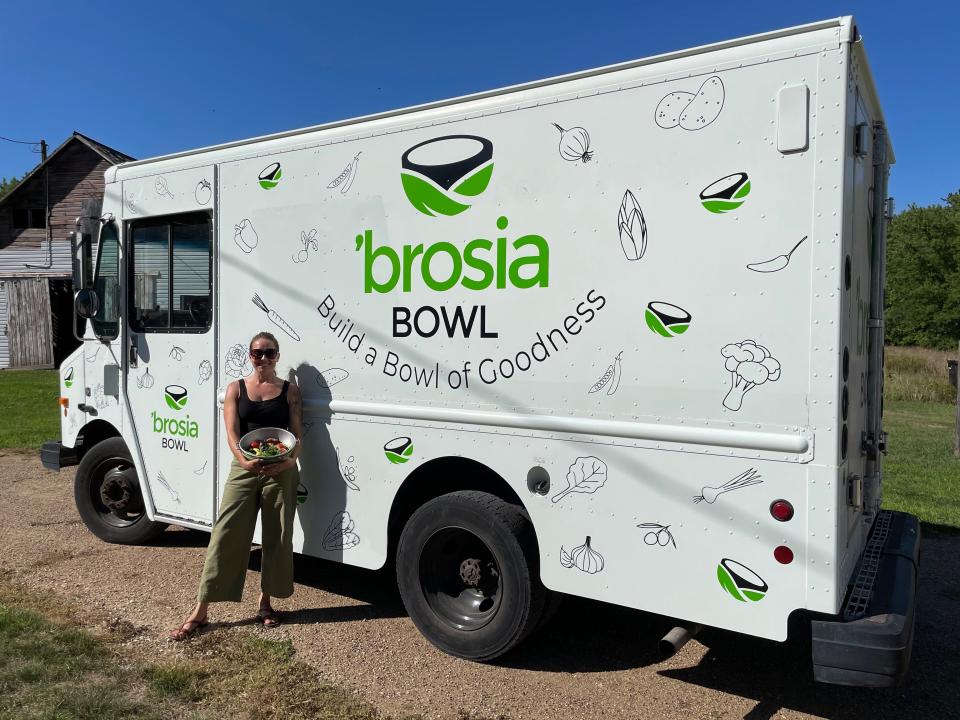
(261, 434)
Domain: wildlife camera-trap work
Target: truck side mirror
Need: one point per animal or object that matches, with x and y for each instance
(86, 303)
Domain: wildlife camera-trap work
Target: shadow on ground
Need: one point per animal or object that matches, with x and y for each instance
(587, 636)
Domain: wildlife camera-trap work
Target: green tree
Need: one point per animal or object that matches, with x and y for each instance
(7, 185)
(923, 275)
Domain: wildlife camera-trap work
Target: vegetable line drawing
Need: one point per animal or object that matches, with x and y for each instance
(237, 363)
(308, 240)
(92, 357)
(99, 399)
(632, 227)
(131, 204)
(160, 185)
(204, 371)
(177, 352)
(777, 263)
(348, 472)
(163, 481)
(574, 144)
(307, 424)
(726, 194)
(667, 319)
(658, 534)
(245, 236)
(750, 364)
(145, 380)
(745, 479)
(346, 178)
(691, 111)
(610, 378)
(203, 192)
(585, 475)
(583, 557)
(275, 318)
(331, 376)
(740, 582)
(200, 470)
(340, 534)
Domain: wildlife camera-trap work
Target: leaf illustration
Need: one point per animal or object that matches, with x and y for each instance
(586, 475)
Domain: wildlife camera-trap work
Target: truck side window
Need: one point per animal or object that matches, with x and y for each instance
(171, 287)
(107, 283)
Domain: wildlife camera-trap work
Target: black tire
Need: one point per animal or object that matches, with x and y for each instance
(469, 574)
(108, 466)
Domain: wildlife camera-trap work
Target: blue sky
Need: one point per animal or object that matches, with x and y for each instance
(152, 78)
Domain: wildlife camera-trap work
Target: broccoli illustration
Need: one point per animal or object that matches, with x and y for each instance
(750, 364)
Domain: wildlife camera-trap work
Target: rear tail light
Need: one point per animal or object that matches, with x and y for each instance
(783, 554)
(781, 510)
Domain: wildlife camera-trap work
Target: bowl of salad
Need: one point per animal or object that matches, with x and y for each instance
(268, 444)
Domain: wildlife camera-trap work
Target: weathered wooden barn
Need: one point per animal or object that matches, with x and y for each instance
(36, 218)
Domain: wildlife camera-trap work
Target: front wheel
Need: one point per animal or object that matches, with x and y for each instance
(468, 571)
(108, 496)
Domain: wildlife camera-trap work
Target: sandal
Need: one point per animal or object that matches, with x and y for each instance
(268, 616)
(187, 630)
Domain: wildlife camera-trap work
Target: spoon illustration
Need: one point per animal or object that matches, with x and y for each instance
(777, 263)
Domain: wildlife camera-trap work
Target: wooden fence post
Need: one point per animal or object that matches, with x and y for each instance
(956, 431)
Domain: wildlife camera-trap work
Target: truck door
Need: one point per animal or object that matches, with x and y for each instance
(169, 360)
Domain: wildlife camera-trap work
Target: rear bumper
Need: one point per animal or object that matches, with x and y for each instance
(54, 455)
(872, 648)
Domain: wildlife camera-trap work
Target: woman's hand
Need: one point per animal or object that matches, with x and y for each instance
(254, 466)
(274, 469)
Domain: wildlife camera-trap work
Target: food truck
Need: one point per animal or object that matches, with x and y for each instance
(616, 334)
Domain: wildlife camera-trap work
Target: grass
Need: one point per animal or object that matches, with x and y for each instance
(51, 669)
(921, 474)
(28, 406)
(918, 374)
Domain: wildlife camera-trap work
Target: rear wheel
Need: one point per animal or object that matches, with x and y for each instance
(468, 571)
(108, 496)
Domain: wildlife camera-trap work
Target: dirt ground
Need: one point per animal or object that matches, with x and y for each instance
(591, 661)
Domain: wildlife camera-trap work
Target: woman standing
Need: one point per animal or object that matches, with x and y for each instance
(258, 400)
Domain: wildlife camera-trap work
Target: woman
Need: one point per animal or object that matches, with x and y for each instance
(259, 400)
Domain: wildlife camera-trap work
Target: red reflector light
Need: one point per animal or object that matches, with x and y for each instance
(783, 554)
(781, 510)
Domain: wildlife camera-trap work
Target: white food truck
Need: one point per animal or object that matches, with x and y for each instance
(616, 334)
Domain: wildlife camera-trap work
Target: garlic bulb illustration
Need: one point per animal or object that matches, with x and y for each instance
(583, 558)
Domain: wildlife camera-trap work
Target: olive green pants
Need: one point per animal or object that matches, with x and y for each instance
(228, 553)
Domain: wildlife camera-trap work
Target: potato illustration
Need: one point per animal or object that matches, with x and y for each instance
(668, 110)
(705, 107)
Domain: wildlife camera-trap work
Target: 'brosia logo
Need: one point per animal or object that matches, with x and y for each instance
(176, 396)
(438, 175)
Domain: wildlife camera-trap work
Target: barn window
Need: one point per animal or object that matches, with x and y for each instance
(29, 218)
(170, 278)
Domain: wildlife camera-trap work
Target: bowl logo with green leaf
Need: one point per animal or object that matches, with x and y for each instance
(740, 582)
(399, 450)
(176, 396)
(441, 176)
(270, 177)
(301, 494)
(68, 378)
(726, 194)
(666, 319)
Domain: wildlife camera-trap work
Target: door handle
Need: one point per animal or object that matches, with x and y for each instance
(133, 359)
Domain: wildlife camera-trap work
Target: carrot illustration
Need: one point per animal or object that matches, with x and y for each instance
(274, 318)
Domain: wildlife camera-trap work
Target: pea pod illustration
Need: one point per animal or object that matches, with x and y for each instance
(346, 177)
(610, 378)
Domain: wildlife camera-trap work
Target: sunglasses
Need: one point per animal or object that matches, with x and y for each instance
(268, 353)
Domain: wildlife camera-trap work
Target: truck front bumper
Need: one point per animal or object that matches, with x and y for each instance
(54, 455)
(869, 644)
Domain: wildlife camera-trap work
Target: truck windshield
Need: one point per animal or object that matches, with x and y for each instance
(107, 283)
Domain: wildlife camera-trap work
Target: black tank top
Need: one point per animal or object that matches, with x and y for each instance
(256, 414)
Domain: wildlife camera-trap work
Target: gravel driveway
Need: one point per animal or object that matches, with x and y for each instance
(592, 661)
